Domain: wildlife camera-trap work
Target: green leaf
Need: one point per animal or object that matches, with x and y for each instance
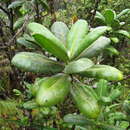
(29, 38)
(26, 8)
(109, 127)
(115, 94)
(125, 11)
(100, 17)
(15, 4)
(28, 44)
(103, 72)
(60, 30)
(78, 66)
(33, 62)
(102, 91)
(86, 101)
(32, 41)
(109, 15)
(53, 90)
(96, 47)
(126, 106)
(124, 124)
(48, 41)
(102, 88)
(35, 87)
(17, 92)
(115, 24)
(112, 50)
(75, 36)
(90, 38)
(114, 39)
(29, 105)
(18, 23)
(99, 21)
(76, 120)
(89, 91)
(118, 116)
(123, 32)
(81, 120)
(77, 127)
(105, 100)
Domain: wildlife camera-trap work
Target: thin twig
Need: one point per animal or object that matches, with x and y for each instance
(3, 47)
(4, 10)
(94, 11)
(20, 30)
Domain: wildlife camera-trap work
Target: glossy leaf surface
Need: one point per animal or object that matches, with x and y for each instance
(112, 50)
(85, 101)
(102, 88)
(125, 11)
(123, 32)
(78, 66)
(96, 47)
(60, 30)
(53, 90)
(18, 23)
(15, 4)
(90, 38)
(28, 44)
(75, 36)
(103, 72)
(35, 87)
(75, 119)
(33, 62)
(48, 41)
(100, 16)
(109, 15)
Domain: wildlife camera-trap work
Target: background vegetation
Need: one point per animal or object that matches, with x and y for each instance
(17, 109)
